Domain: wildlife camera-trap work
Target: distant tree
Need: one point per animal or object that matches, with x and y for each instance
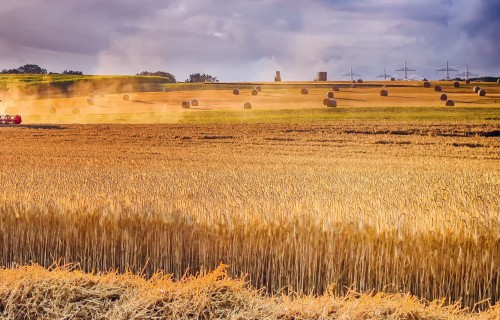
(32, 69)
(27, 69)
(10, 71)
(170, 77)
(197, 77)
(72, 72)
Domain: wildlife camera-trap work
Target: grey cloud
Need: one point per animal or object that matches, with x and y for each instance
(242, 39)
(71, 26)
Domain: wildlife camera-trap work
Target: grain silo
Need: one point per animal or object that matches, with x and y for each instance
(321, 76)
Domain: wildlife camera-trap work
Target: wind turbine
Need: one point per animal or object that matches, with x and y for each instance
(405, 69)
(447, 69)
(351, 74)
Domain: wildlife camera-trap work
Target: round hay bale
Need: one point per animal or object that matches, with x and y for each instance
(76, 110)
(384, 93)
(450, 103)
(476, 89)
(194, 103)
(236, 91)
(247, 105)
(330, 95)
(498, 80)
(186, 104)
(90, 102)
(336, 88)
(456, 84)
(126, 97)
(258, 88)
(360, 80)
(467, 81)
(52, 110)
(331, 103)
(255, 92)
(443, 97)
(304, 91)
(438, 88)
(427, 84)
(481, 93)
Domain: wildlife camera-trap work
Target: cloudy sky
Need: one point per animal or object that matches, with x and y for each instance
(242, 40)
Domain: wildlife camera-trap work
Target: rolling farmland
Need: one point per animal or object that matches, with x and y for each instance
(396, 194)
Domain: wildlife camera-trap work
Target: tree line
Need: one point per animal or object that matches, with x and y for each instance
(36, 69)
(194, 77)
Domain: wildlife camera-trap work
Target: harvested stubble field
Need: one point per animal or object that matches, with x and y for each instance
(314, 206)
(165, 107)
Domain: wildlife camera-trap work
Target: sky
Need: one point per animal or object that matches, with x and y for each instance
(248, 40)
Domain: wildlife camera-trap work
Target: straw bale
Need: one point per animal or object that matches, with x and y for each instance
(331, 103)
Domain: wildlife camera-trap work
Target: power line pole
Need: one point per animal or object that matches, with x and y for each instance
(351, 75)
(467, 74)
(385, 75)
(447, 69)
(405, 69)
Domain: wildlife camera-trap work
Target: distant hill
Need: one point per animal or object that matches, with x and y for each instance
(46, 85)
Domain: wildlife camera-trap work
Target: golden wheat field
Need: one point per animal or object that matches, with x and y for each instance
(327, 218)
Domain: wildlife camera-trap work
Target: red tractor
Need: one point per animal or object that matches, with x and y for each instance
(10, 119)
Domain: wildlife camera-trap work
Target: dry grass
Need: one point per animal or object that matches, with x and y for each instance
(61, 293)
(301, 208)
